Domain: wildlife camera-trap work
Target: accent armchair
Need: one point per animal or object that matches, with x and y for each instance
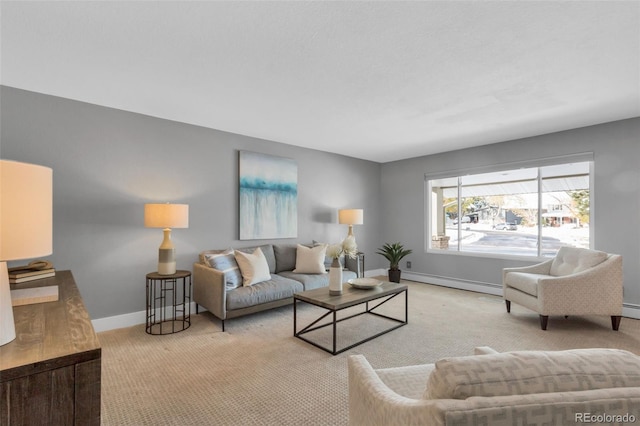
(576, 282)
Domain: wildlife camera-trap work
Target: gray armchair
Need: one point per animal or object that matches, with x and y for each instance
(576, 282)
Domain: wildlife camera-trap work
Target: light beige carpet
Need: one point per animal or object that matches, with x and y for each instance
(257, 373)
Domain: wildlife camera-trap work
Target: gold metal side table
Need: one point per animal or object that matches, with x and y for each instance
(168, 302)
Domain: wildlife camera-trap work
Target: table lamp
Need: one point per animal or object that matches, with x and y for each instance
(166, 216)
(26, 226)
(350, 217)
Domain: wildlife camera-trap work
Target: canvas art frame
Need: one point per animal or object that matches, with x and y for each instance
(268, 192)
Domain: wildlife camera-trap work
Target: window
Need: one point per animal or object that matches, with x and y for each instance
(528, 211)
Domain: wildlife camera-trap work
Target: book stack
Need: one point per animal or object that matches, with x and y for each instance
(17, 276)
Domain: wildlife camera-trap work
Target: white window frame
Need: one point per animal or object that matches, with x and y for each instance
(458, 173)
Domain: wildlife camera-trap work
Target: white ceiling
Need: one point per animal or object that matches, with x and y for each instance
(375, 80)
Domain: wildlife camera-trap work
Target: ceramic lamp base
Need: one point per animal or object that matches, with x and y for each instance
(7, 327)
(167, 255)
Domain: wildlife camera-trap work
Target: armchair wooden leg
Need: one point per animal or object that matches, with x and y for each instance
(197, 310)
(544, 319)
(615, 322)
(508, 302)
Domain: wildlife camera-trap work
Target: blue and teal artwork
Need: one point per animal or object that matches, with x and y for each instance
(268, 196)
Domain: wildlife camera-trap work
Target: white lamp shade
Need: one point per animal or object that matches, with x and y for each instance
(26, 226)
(350, 217)
(26, 210)
(166, 215)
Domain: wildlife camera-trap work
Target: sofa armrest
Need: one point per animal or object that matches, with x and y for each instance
(371, 402)
(539, 268)
(353, 265)
(484, 350)
(600, 289)
(209, 289)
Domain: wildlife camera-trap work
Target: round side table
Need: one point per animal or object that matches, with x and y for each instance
(168, 302)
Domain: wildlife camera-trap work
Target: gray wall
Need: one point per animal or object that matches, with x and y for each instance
(108, 163)
(616, 195)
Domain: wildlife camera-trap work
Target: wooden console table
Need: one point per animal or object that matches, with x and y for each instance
(50, 374)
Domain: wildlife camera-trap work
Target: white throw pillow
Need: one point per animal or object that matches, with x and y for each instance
(253, 266)
(310, 260)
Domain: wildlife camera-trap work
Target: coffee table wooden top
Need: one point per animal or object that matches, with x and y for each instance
(350, 295)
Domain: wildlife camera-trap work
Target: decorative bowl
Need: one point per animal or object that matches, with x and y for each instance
(365, 283)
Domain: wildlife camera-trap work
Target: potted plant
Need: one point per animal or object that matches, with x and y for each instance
(394, 254)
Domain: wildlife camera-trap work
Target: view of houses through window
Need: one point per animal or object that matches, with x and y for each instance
(528, 211)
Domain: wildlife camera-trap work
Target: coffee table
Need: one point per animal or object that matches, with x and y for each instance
(350, 297)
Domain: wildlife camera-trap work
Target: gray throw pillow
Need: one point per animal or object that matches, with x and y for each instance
(285, 257)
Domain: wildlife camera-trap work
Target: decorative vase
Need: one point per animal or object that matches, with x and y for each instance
(335, 278)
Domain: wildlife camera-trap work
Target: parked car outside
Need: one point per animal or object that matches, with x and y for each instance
(465, 219)
(506, 226)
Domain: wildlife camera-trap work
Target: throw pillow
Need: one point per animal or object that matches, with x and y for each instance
(329, 260)
(269, 254)
(285, 257)
(225, 262)
(310, 260)
(253, 266)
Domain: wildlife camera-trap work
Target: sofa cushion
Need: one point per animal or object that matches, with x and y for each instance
(311, 281)
(310, 260)
(253, 266)
(267, 291)
(267, 250)
(571, 260)
(527, 372)
(285, 255)
(225, 262)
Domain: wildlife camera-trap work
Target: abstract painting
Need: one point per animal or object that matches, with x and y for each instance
(268, 196)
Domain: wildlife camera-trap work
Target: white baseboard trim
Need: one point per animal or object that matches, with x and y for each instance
(375, 272)
(127, 320)
(119, 321)
(476, 286)
(629, 310)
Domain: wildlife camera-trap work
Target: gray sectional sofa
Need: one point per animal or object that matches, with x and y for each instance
(217, 284)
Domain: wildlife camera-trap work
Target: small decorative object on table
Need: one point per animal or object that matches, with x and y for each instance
(35, 270)
(364, 283)
(347, 247)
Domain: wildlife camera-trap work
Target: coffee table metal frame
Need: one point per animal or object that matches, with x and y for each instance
(350, 296)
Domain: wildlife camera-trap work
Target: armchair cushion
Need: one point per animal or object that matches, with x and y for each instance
(525, 282)
(530, 372)
(571, 260)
